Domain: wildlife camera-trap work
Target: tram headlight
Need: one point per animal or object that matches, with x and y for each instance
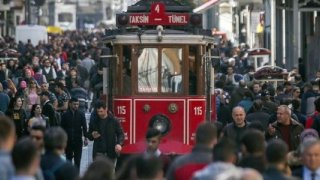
(122, 19)
(160, 122)
(196, 19)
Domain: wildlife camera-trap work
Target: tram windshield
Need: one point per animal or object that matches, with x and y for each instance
(169, 78)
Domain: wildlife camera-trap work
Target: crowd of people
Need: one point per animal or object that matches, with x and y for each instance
(262, 131)
(44, 95)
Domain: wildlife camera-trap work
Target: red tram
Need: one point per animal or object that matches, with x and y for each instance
(159, 74)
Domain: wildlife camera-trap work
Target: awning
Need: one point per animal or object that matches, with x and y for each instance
(205, 6)
(54, 30)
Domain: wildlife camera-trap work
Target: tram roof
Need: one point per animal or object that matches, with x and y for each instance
(169, 36)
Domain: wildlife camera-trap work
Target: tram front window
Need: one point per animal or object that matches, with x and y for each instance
(148, 70)
(171, 79)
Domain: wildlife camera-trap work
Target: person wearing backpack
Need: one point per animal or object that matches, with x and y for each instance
(53, 166)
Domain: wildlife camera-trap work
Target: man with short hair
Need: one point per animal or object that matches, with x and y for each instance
(239, 125)
(81, 94)
(62, 97)
(52, 96)
(7, 140)
(37, 135)
(52, 165)
(253, 148)
(74, 123)
(256, 89)
(285, 128)
(233, 77)
(276, 154)
(107, 134)
(310, 156)
(26, 159)
(48, 70)
(184, 166)
(224, 159)
(153, 140)
(47, 109)
(258, 115)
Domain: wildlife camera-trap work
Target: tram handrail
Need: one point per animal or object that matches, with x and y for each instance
(209, 83)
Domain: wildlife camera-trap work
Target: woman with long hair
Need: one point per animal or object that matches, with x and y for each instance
(296, 93)
(31, 95)
(18, 115)
(37, 118)
(72, 77)
(12, 90)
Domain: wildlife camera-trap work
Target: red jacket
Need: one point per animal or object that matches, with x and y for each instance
(310, 120)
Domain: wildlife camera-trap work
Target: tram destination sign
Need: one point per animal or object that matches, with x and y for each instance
(158, 16)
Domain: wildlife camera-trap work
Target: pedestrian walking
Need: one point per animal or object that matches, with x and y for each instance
(74, 123)
(107, 134)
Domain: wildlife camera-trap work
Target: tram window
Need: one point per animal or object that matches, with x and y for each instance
(171, 77)
(148, 70)
(192, 70)
(126, 71)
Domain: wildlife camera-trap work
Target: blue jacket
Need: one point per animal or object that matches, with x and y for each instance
(6, 168)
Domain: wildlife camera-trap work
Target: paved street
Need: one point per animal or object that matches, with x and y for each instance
(86, 152)
(86, 157)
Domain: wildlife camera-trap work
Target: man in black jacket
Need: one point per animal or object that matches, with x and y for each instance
(74, 123)
(47, 109)
(107, 134)
(237, 128)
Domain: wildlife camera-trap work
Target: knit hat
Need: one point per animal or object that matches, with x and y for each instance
(309, 133)
(23, 84)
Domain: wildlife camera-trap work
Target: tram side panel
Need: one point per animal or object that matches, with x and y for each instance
(195, 115)
(138, 114)
(123, 111)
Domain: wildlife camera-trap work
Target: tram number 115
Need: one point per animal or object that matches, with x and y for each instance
(121, 109)
(197, 111)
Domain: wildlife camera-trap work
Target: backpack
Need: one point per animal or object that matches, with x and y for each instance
(48, 174)
(310, 120)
